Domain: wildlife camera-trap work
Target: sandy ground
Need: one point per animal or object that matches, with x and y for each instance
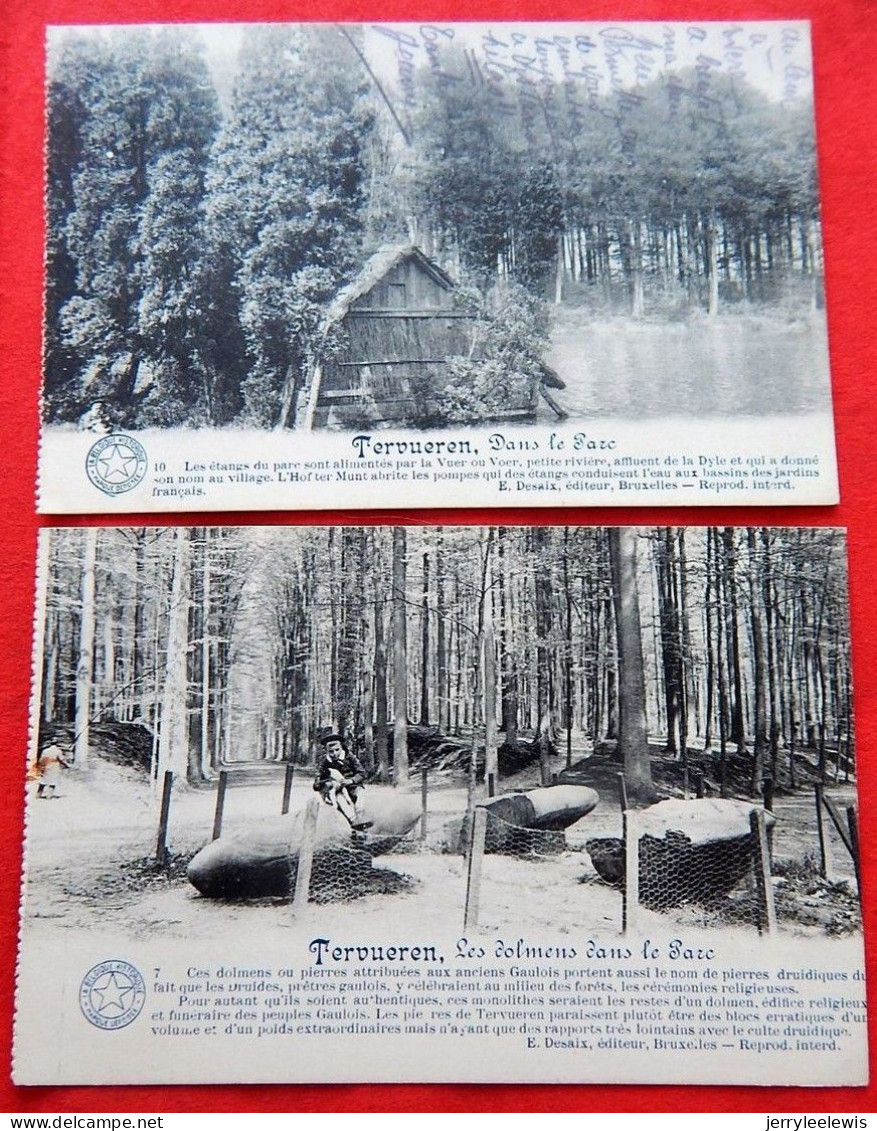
(89, 852)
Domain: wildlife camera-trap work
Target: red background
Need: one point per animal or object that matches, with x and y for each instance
(844, 34)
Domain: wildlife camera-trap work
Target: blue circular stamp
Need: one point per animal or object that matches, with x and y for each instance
(112, 994)
(116, 463)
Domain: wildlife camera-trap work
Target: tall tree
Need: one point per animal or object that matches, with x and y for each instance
(760, 674)
(632, 727)
(171, 307)
(285, 207)
(380, 666)
(137, 113)
(540, 542)
(509, 692)
(85, 664)
(425, 673)
(738, 724)
(538, 223)
(400, 658)
(173, 746)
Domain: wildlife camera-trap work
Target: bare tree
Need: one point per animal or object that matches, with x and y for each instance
(400, 659)
(173, 736)
(632, 728)
(85, 665)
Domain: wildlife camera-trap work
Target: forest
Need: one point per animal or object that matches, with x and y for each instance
(470, 649)
(199, 222)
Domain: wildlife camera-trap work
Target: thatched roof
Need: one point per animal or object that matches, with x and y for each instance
(375, 268)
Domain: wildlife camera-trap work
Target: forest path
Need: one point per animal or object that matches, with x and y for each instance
(796, 836)
(89, 856)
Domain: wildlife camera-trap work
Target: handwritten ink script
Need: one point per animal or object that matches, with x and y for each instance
(552, 77)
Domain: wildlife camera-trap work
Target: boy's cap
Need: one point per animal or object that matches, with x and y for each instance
(329, 735)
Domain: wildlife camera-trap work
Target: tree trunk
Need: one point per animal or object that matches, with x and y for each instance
(638, 305)
(774, 651)
(491, 765)
(708, 645)
(688, 699)
(711, 240)
(738, 725)
(50, 669)
(632, 728)
(506, 639)
(206, 597)
(381, 713)
(759, 662)
(567, 651)
(424, 645)
(173, 738)
(670, 643)
(441, 649)
(539, 542)
(367, 674)
(289, 396)
(85, 664)
(349, 595)
(400, 659)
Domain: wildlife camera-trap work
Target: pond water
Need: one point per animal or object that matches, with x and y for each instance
(732, 365)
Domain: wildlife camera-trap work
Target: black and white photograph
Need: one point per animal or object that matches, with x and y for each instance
(265, 240)
(567, 770)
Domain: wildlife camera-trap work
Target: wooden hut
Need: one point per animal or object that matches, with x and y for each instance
(387, 334)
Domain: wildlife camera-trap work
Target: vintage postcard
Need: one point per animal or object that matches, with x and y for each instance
(301, 266)
(441, 804)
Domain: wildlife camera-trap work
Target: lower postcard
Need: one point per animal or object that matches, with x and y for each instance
(610, 836)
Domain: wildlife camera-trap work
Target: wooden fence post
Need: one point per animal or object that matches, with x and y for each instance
(622, 792)
(306, 856)
(824, 858)
(853, 824)
(473, 877)
(630, 900)
(424, 794)
(161, 850)
(767, 919)
(491, 785)
(220, 804)
(843, 830)
(287, 788)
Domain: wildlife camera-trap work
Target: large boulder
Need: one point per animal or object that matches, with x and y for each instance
(690, 851)
(262, 860)
(545, 811)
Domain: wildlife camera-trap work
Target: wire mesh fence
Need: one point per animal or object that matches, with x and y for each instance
(502, 836)
(510, 864)
(700, 861)
(706, 860)
(341, 867)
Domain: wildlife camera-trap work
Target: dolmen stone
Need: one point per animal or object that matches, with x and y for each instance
(262, 860)
(690, 851)
(548, 810)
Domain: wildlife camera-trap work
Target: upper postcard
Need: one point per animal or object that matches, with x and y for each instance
(303, 266)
